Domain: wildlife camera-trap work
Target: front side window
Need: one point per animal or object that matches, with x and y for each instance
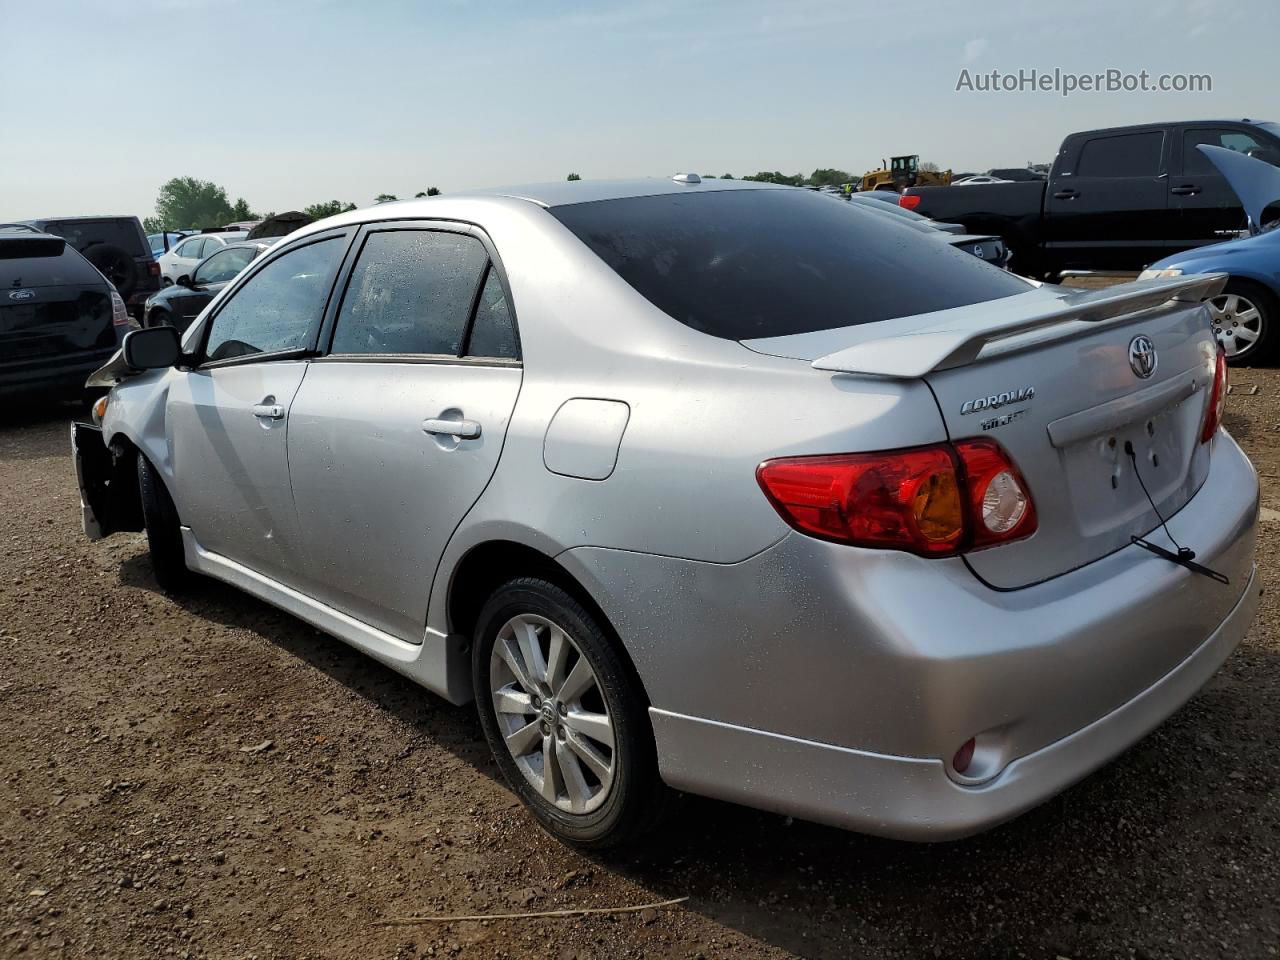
(1128, 155)
(279, 307)
(744, 264)
(190, 250)
(410, 291)
(223, 265)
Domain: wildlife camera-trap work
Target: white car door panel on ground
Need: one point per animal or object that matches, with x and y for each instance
(395, 434)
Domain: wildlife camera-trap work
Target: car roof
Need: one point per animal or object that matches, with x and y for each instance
(1160, 126)
(105, 216)
(563, 193)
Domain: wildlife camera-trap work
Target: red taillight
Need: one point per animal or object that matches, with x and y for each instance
(119, 313)
(1217, 399)
(1000, 508)
(935, 501)
(909, 201)
(153, 268)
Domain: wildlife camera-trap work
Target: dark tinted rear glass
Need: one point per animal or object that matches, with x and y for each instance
(83, 234)
(767, 263)
(1129, 155)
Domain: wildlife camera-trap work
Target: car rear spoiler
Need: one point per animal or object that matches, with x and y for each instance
(959, 340)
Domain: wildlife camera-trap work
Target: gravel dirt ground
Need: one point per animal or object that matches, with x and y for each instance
(203, 776)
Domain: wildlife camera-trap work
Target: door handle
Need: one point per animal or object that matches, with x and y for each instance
(462, 429)
(1066, 194)
(272, 411)
(1186, 190)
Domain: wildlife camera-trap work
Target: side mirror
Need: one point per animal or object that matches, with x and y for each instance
(185, 281)
(152, 349)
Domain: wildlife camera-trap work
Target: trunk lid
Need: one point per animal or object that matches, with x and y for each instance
(1049, 376)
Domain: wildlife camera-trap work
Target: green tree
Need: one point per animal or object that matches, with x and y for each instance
(384, 197)
(188, 202)
(726, 176)
(777, 176)
(429, 192)
(240, 211)
(318, 211)
(573, 176)
(829, 177)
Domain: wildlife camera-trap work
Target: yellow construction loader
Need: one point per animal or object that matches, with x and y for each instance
(903, 172)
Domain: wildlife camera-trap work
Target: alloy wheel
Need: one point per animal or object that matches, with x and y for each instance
(1237, 323)
(552, 713)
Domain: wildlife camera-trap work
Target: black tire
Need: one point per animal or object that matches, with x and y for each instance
(160, 318)
(116, 265)
(164, 534)
(636, 798)
(1262, 350)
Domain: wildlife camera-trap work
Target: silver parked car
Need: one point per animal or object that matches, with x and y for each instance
(720, 487)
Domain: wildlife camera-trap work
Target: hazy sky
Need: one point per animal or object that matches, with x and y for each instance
(288, 102)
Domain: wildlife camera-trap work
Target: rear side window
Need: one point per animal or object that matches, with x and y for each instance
(1129, 155)
(411, 291)
(85, 234)
(493, 334)
(743, 264)
(278, 308)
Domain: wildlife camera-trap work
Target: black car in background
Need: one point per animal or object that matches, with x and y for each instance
(1116, 199)
(59, 319)
(117, 246)
(178, 305)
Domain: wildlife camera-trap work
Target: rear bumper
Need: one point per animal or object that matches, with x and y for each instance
(52, 373)
(835, 683)
(912, 798)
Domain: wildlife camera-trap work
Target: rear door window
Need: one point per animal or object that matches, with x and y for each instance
(1195, 163)
(410, 292)
(743, 264)
(277, 309)
(1127, 155)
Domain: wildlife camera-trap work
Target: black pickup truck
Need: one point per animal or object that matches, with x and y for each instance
(1116, 199)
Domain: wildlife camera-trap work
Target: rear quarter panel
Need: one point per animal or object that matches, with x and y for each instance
(703, 414)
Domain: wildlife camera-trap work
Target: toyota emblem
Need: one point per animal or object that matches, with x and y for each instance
(1142, 356)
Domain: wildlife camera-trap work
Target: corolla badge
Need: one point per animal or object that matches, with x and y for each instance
(21, 294)
(1142, 356)
(997, 400)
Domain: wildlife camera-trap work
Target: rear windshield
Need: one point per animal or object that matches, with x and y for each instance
(83, 234)
(44, 270)
(743, 264)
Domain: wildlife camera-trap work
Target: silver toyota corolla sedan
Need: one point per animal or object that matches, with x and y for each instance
(720, 487)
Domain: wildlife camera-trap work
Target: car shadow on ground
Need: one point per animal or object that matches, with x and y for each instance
(1066, 879)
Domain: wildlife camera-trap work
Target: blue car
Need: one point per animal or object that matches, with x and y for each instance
(1247, 313)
